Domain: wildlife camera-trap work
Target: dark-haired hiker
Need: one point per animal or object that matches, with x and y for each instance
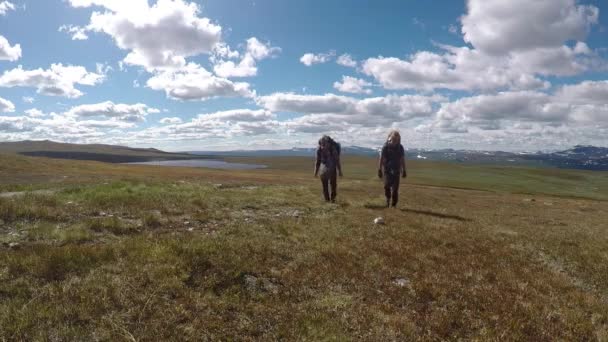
(328, 166)
(391, 165)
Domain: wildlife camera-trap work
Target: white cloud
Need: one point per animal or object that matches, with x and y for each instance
(259, 50)
(6, 105)
(170, 121)
(579, 105)
(453, 29)
(309, 59)
(458, 69)
(123, 112)
(223, 50)
(256, 51)
(59, 80)
(224, 124)
(158, 36)
(6, 6)
(34, 113)
(193, 82)
(237, 115)
(289, 102)
(499, 27)
(77, 32)
(28, 99)
(55, 127)
(8, 52)
(586, 92)
(368, 112)
(245, 68)
(353, 85)
(346, 60)
(514, 45)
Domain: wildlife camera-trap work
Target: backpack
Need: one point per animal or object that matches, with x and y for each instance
(336, 145)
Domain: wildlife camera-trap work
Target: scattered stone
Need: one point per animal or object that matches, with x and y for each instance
(14, 245)
(548, 203)
(401, 282)
(528, 199)
(255, 284)
(102, 213)
(251, 282)
(190, 229)
(251, 187)
(186, 223)
(269, 286)
(296, 213)
(218, 186)
(69, 202)
(379, 220)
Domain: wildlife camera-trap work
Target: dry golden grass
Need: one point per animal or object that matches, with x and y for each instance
(149, 253)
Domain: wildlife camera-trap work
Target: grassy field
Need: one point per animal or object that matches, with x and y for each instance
(94, 251)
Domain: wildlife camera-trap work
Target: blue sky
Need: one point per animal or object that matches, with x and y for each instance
(224, 75)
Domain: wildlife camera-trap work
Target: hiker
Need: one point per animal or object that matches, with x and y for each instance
(328, 162)
(391, 165)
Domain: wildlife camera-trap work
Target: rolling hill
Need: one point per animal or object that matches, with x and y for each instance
(97, 152)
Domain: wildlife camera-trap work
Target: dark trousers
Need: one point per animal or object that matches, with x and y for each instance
(391, 188)
(329, 178)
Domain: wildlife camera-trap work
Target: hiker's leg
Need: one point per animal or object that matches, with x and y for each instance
(395, 191)
(333, 180)
(324, 182)
(387, 192)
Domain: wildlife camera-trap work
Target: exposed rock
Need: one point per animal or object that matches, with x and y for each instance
(401, 282)
(379, 220)
(14, 245)
(255, 284)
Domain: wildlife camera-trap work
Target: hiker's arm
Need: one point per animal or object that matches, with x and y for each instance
(317, 164)
(380, 162)
(403, 170)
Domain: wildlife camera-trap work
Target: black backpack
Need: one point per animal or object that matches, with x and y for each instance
(336, 145)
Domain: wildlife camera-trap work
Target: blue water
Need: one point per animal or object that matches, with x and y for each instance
(208, 163)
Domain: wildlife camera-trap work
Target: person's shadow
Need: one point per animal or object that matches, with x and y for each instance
(420, 212)
(434, 214)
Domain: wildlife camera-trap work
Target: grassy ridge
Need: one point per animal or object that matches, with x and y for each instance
(148, 253)
(498, 178)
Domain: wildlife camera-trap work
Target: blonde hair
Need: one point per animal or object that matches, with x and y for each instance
(394, 134)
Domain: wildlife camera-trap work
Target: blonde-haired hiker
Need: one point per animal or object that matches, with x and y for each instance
(391, 165)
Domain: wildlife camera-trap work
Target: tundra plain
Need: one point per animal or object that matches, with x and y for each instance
(97, 251)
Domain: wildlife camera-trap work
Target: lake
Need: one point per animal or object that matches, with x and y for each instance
(208, 163)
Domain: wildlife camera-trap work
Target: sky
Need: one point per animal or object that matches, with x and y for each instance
(179, 75)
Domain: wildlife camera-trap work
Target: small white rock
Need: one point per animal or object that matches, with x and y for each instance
(379, 220)
(401, 282)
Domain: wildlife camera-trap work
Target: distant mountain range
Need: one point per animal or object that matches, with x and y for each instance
(579, 157)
